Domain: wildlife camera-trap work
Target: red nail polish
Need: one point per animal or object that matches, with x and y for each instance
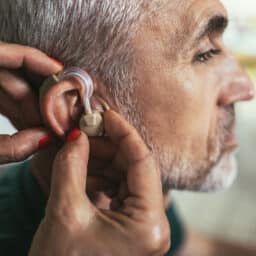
(73, 135)
(45, 141)
(57, 62)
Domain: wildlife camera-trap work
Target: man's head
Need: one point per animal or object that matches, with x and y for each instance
(162, 64)
(192, 84)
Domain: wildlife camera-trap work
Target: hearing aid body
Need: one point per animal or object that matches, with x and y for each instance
(91, 121)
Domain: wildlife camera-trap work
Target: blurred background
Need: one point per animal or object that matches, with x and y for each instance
(230, 214)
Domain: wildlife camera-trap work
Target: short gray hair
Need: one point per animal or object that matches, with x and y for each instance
(93, 34)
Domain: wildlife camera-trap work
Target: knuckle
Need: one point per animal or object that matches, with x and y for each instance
(150, 158)
(6, 149)
(31, 50)
(14, 153)
(66, 215)
(66, 159)
(66, 156)
(18, 151)
(158, 239)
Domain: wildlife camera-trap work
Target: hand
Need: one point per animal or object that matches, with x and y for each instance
(135, 224)
(17, 101)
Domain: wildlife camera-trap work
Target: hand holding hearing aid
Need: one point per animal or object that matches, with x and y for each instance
(73, 225)
(77, 84)
(84, 227)
(71, 92)
(18, 102)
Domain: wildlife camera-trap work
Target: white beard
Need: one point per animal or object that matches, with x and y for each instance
(180, 172)
(222, 175)
(182, 175)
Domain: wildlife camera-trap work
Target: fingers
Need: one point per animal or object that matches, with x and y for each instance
(9, 109)
(125, 137)
(19, 87)
(17, 100)
(14, 56)
(143, 176)
(21, 145)
(70, 172)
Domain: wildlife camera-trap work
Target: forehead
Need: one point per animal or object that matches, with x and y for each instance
(183, 17)
(185, 7)
(176, 21)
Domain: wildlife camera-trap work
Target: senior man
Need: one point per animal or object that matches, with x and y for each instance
(161, 64)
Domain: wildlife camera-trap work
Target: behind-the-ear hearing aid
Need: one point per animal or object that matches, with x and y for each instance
(91, 121)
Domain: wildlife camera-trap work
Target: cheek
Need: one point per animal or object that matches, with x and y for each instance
(177, 112)
(199, 111)
(209, 85)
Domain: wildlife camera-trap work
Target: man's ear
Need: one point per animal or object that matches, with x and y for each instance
(61, 106)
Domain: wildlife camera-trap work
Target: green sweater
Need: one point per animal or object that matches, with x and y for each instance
(22, 206)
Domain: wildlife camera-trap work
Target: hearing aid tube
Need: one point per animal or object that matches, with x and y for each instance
(85, 79)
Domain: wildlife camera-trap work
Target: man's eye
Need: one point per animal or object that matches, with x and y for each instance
(204, 57)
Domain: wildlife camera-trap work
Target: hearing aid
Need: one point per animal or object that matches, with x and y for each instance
(91, 122)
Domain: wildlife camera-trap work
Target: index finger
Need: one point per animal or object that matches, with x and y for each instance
(69, 175)
(20, 145)
(13, 56)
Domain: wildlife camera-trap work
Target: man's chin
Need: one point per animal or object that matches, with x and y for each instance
(222, 175)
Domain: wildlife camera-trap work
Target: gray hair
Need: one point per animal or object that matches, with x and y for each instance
(93, 34)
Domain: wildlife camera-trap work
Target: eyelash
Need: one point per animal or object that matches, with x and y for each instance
(206, 56)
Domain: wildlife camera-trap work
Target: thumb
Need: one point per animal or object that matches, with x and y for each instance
(143, 175)
(70, 172)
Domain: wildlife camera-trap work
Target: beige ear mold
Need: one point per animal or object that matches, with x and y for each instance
(91, 122)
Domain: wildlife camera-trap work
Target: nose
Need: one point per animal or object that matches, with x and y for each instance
(238, 87)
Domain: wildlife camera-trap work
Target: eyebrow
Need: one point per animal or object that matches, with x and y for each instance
(216, 24)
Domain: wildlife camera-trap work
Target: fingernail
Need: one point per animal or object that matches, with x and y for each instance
(73, 135)
(45, 141)
(57, 62)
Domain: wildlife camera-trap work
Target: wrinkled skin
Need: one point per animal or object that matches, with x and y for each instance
(187, 101)
(72, 223)
(69, 211)
(188, 112)
(135, 223)
(18, 102)
(188, 115)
